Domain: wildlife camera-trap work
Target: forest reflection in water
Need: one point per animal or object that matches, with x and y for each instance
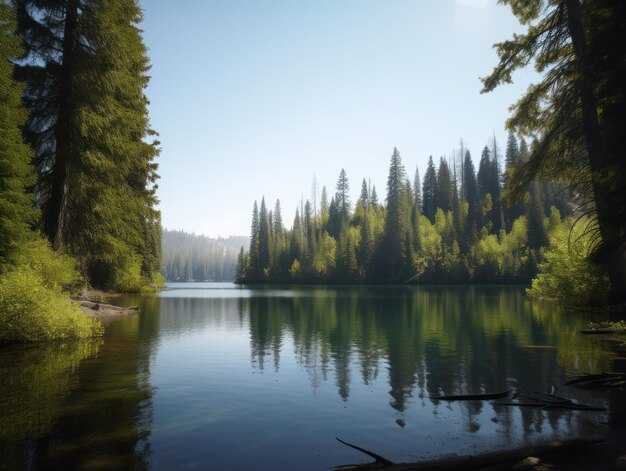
(233, 377)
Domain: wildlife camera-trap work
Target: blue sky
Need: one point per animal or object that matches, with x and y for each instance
(254, 98)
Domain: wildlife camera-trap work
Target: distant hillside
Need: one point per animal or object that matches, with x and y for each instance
(190, 257)
(236, 242)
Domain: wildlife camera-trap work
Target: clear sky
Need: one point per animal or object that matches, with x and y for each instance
(253, 98)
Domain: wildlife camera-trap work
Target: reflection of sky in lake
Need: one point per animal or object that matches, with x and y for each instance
(239, 378)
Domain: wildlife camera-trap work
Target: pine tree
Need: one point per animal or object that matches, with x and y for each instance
(86, 69)
(255, 243)
(513, 160)
(324, 209)
(470, 186)
(16, 174)
(443, 196)
(374, 197)
(417, 189)
(342, 197)
(429, 191)
(396, 221)
(364, 196)
(264, 238)
(240, 271)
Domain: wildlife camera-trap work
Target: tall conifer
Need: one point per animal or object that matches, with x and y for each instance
(16, 174)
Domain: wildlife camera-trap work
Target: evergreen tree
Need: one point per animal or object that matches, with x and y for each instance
(364, 196)
(85, 69)
(513, 160)
(324, 209)
(396, 221)
(443, 196)
(263, 238)
(417, 189)
(429, 191)
(374, 197)
(16, 174)
(470, 186)
(255, 242)
(240, 271)
(342, 197)
(296, 245)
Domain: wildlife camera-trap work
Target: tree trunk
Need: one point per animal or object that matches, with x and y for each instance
(613, 252)
(58, 216)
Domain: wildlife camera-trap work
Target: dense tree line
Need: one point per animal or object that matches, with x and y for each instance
(80, 72)
(190, 257)
(450, 227)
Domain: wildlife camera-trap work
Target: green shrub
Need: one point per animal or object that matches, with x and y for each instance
(56, 271)
(32, 311)
(566, 274)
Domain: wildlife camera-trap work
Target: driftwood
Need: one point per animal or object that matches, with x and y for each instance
(601, 380)
(491, 461)
(474, 397)
(379, 459)
(551, 402)
(598, 331)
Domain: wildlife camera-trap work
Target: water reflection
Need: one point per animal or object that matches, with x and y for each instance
(267, 377)
(81, 405)
(429, 342)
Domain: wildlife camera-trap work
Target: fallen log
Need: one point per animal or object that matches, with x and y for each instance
(473, 397)
(491, 461)
(597, 380)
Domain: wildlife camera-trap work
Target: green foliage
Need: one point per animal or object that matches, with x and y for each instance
(566, 274)
(617, 326)
(35, 388)
(575, 111)
(16, 175)
(86, 69)
(55, 271)
(396, 243)
(31, 311)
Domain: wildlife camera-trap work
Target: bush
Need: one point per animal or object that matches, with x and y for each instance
(566, 274)
(34, 298)
(55, 271)
(31, 311)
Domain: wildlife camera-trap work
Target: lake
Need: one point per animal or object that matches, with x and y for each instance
(216, 376)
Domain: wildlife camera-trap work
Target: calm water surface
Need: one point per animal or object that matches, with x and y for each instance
(215, 376)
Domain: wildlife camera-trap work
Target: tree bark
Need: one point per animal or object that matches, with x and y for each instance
(613, 253)
(57, 210)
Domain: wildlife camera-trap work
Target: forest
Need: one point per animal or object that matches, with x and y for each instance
(78, 175)
(191, 257)
(495, 224)
(451, 227)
